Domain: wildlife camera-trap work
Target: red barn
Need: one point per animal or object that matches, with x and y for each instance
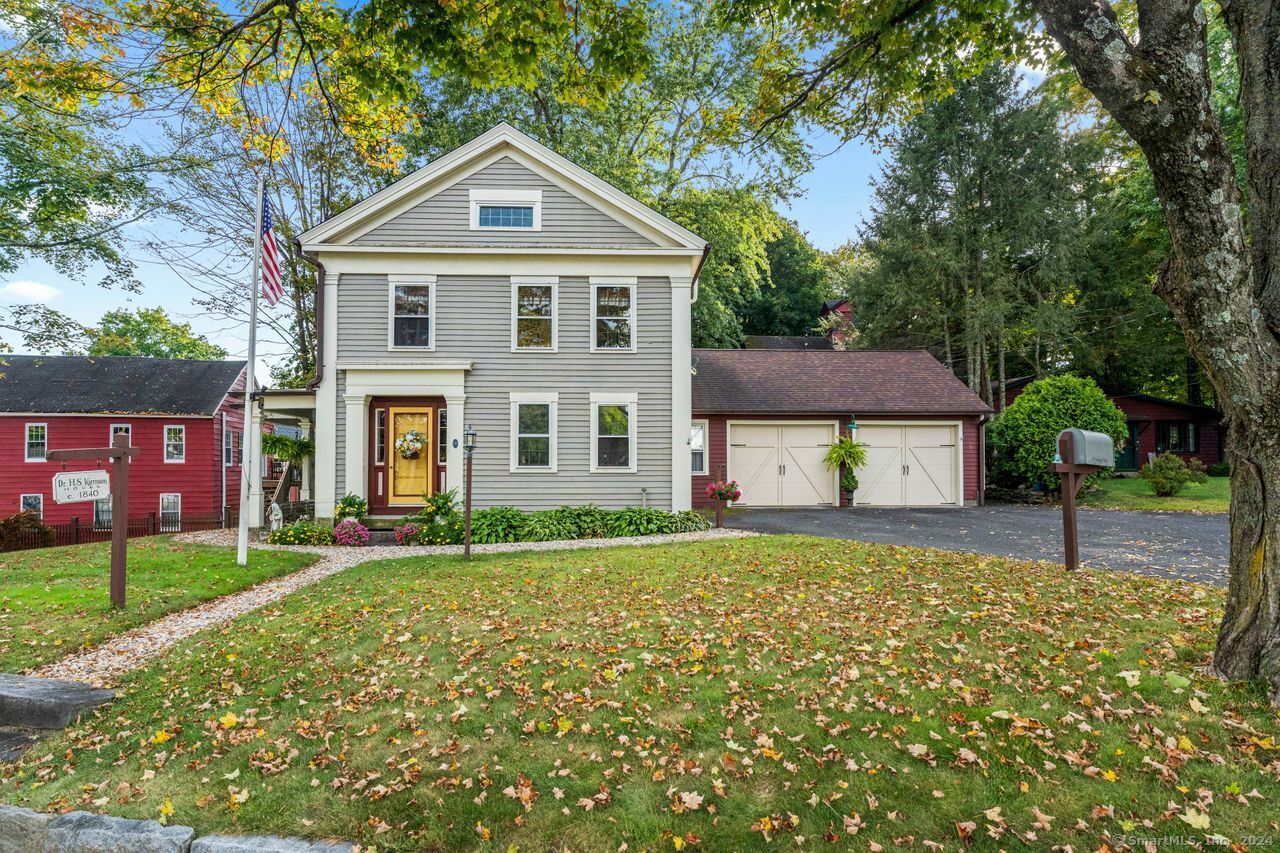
(1158, 425)
(185, 416)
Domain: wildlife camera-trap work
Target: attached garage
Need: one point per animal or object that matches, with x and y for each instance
(766, 418)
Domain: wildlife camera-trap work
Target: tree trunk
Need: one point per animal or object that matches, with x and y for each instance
(1222, 287)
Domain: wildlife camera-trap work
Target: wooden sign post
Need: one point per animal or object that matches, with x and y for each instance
(118, 455)
(1074, 463)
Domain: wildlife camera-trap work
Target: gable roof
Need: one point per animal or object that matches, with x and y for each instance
(791, 342)
(62, 384)
(447, 170)
(892, 382)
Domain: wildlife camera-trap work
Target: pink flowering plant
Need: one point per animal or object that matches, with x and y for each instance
(406, 534)
(351, 532)
(727, 490)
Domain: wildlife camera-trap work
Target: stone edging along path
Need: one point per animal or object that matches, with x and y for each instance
(130, 650)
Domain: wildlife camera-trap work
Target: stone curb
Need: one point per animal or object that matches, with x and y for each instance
(25, 831)
(46, 703)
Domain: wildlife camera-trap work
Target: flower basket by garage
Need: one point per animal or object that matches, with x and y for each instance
(721, 492)
(409, 445)
(846, 456)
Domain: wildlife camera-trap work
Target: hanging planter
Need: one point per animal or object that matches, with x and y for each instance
(409, 445)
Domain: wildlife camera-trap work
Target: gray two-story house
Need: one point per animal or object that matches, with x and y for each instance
(504, 288)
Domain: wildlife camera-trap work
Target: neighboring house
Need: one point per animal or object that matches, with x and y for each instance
(844, 309)
(502, 287)
(1158, 425)
(765, 418)
(791, 342)
(185, 417)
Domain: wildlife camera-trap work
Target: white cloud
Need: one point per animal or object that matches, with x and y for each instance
(26, 291)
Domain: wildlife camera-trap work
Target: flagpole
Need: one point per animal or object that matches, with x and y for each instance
(246, 439)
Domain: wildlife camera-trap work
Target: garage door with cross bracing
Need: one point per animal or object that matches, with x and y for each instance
(909, 465)
(781, 464)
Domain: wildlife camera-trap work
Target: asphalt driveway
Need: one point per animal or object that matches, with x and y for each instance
(1166, 544)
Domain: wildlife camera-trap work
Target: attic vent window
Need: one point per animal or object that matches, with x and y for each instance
(506, 210)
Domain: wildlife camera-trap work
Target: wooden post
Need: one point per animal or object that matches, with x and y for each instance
(75, 530)
(466, 511)
(720, 513)
(1072, 479)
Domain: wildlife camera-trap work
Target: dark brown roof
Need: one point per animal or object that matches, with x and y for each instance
(115, 384)
(794, 342)
(898, 382)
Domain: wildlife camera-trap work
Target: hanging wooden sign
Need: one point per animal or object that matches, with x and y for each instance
(77, 486)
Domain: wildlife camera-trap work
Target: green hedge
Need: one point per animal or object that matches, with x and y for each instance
(507, 524)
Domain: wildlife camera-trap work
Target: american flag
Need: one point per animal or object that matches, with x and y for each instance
(272, 285)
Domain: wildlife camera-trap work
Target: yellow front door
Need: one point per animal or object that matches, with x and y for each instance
(410, 471)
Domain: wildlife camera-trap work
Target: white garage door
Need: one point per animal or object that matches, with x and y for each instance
(916, 465)
(781, 464)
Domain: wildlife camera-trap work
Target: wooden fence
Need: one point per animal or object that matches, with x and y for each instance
(78, 532)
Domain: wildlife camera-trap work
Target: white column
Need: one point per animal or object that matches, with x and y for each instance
(681, 394)
(308, 466)
(326, 426)
(453, 458)
(356, 452)
(255, 475)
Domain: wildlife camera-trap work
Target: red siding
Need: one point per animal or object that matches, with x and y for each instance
(717, 455)
(199, 479)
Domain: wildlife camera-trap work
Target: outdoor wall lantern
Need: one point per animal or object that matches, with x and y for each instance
(852, 425)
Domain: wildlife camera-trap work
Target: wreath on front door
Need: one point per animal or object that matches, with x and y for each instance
(409, 445)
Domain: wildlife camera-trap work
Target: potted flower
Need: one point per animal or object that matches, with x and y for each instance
(846, 456)
(410, 444)
(722, 492)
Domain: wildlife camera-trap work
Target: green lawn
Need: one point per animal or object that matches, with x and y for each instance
(1213, 495)
(54, 601)
(781, 690)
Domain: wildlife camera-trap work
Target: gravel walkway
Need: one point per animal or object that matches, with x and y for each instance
(130, 650)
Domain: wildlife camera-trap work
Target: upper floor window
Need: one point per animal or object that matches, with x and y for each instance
(506, 210)
(120, 429)
(533, 321)
(412, 312)
(37, 442)
(698, 447)
(175, 443)
(228, 446)
(613, 308)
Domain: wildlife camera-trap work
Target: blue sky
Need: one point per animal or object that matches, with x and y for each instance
(836, 198)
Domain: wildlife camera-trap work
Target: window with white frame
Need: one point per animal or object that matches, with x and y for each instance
(102, 513)
(533, 314)
(412, 313)
(228, 446)
(37, 442)
(533, 432)
(32, 503)
(506, 210)
(120, 429)
(613, 307)
(170, 511)
(698, 447)
(442, 436)
(613, 432)
(379, 436)
(175, 443)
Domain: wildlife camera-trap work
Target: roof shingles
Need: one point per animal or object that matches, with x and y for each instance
(114, 385)
(899, 382)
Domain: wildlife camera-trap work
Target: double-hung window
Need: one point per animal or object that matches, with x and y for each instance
(613, 314)
(121, 429)
(32, 503)
(228, 446)
(1177, 437)
(613, 432)
(170, 512)
(506, 210)
(102, 513)
(533, 314)
(533, 431)
(175, 443)
(412, 312)
(37, 442)
(698, 447)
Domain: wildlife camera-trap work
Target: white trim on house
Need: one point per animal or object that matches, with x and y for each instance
(505, 198)
(502, 140)
(111, 435)
(165, 444)
(535, 398)
(26, 442)
(40, 498)
(728, 446)
(397, 280)
(706, 450)
(631, 401)
(535, 281)
(629, 282)
(681, 392)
